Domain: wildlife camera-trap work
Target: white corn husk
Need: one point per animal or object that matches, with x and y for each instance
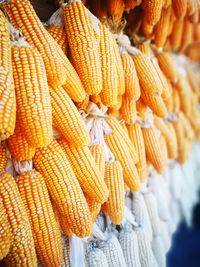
(165, 236)
(147, 258)
(95, 257)
(175, 215)
(159, 251)
(140, 212)
(128, 241)
(113, 251)
(152, 208)
(176, 181)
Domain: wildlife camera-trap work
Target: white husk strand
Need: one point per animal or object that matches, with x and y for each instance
(57, 18)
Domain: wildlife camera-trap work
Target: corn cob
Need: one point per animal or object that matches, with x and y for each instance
(147, 28)
(169, 103)
(22, 251)
(173, 152)
(63, 186)
(189, 132)
(145, 48)
(108, 66)
(5, 236)
(119, 102)
(67, 118)
(180, 137)
(98, 154)
(184, 91)
(7, 92)
(39, 38)
(176, 35)
(114, 206)
(94, 207)
(83, 46)
(66, 252)
(156, 104)
(128, 109)
(184, 155)
(129, 244)
(132, 86)
(168, 66)
(146, 255)
(32, 94)
(59, 35)
(62, 221)
(18, 145)
(122, 154)
(115, 9)
(161, 29)
(147, 74)
(119, 67)
(88, 175)
(135, 134)
(113, 251)
(176, 100)
(117, 127)
(3, 158)
(180, 8)
(153, 149)
(131, 4)
(96, 258)
(196, 32)
(152, 10)
(159, 251)
(123, 126)
(36, 200)
(193, 80)
(187, 34)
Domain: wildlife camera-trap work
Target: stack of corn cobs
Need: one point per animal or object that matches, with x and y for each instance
(95, 104)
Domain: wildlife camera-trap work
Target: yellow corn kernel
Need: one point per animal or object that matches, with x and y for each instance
(152, 10)
(63, 187)
(189, 132)
(115, 9)
(117, 127)
(187, 34)
(67, 119)
(18, 145)
(161, 29)
(59, 35)
(5, 235)
(83, 46)
(180, 136)
(135, 134)
(128, 109)
(163, 145)
(123, 125)
(114, 206)
(176, 35)
(38, 206)
(3, 158)
(86, 171)
(145, 48)
(121, 152)
(176, 100)
(132, 86)
(180, 8)
(62, 221)
(108, 66)
(98, 154)
(153, 149)
(32, 94)
(184, 91)
(184, 155)
(147, 29)
(22, 251)
(94, 207)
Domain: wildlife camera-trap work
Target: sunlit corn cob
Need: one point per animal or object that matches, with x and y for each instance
(113, 251)
(117, 127)
(153, 149)
(89, 177)
(7, 100)
(18, 145)
(20, 13)
(189, 132)
(166, 132)
(94, 207)
(184, 155)
(122, 154)
(187, 34)
(128, 109)
(59, 35)
(66, 251)
(180, 8)
(5, 235)
(180, 136)
(115, 9)
(36, 200)
(62, 222)
(145, 48)
(3, 158)
(152, 10)
(32, 95)
(64, 188)
(184, 91)
(146, 255)
(176, 35)
(98, 154)
(114, 206)
(83, 46)
(172, 151)
(135, 134)
(168, 66)
(123, 126)
(96, 258)
(147, 28)
(176, 100)
(129, 244)
(161, 29)
(67, 119)
(22, 251)
(119, 67)
(132, 86)
(108, 66)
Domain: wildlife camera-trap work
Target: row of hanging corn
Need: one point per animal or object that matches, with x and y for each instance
(87, 115)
